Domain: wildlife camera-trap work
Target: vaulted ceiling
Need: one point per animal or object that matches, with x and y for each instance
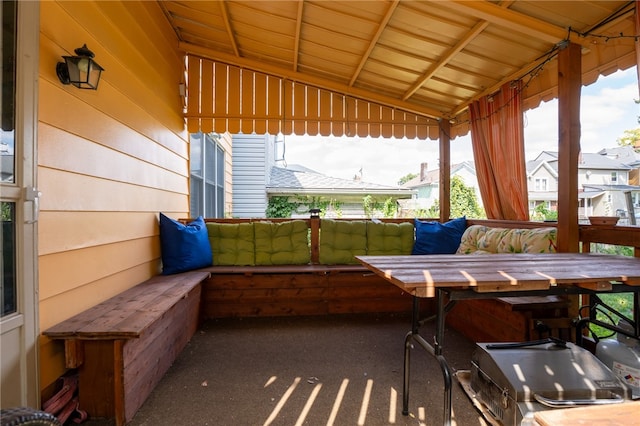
(426, 58)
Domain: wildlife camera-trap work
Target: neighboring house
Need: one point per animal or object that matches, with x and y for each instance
(603, 179)
(542, 182)
(629, 156)
(257, 177)
(346, 196)
(428, 182)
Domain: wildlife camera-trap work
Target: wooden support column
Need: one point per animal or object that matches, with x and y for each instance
(569, 87)
(445, 170)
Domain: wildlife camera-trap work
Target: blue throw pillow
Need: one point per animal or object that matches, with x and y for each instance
(184, 247)
(438, 238)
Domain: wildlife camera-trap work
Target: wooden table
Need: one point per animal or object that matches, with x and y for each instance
(455, 277)
(627, 414)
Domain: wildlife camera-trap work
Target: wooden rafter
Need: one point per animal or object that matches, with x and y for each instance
(515, 21)
(374, 40)
(228, 26)
(296, 47)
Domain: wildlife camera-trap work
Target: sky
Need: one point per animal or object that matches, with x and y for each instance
(608, 108)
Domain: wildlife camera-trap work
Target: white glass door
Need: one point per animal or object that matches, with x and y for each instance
(18, 206)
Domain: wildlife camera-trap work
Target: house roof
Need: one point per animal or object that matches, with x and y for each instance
(594, 161)
(624, 154)
(618, 188)
(294, 180)
(403, 60)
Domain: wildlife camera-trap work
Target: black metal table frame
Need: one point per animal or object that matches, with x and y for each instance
(446, 299)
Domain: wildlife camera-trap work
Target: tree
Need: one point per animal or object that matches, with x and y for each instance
(406, 178)
(463, 200)
(630, 138)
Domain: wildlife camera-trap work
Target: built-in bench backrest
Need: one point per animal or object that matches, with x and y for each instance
(280, 241)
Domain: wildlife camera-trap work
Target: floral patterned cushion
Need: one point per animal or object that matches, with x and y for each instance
(478, 239)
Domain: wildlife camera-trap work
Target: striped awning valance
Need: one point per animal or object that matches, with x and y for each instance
(226, 98)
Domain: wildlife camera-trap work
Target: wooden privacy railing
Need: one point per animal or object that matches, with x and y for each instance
(616, 235)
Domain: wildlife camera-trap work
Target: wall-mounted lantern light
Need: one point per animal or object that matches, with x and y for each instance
(81, 70)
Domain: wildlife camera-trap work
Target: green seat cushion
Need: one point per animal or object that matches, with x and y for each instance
(389, 238)
(340, 241)
(232, 243)
(282, 243)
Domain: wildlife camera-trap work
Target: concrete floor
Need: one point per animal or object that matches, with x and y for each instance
(340, 370)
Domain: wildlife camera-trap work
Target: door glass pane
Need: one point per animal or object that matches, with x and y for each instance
(8, 79)
(8, 259)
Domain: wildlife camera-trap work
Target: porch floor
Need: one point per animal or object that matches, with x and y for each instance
(340, 369)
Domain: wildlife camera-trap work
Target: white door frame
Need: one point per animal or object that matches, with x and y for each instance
(22, 327)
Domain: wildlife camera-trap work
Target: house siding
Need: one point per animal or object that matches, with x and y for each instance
(108, 160)
(249, 175)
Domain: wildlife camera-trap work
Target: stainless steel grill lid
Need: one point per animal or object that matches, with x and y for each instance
(515, 381)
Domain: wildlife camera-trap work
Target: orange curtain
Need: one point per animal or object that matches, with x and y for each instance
(497, 137)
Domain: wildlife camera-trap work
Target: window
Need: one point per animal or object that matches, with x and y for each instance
(541, 184)
(207, 175)
(8, 290)
(614, 177)
(8, 265)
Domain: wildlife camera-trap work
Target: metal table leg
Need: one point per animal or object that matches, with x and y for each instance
(434, 350)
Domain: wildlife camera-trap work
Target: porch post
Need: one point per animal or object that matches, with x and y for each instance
(569, 87)
(445, 170)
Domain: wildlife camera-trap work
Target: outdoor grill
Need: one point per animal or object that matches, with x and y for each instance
(514, 380)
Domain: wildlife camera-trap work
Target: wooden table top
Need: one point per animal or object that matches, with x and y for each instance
(626, 414)
(420, 275)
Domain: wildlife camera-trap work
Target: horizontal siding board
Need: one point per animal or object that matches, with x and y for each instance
(61, 231)
(127, 128)
(70, 269)
(63, 149)
(72, 192)
(91, 293)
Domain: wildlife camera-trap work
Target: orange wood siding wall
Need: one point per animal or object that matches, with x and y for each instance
(108, 160)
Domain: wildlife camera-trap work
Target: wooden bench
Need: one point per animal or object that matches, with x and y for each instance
(289, 290)
(318, 289)
(123, 346)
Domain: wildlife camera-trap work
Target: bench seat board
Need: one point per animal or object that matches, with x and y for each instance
(129, 313)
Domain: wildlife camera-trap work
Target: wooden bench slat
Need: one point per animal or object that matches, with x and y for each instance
(283, 269)
(129, 313)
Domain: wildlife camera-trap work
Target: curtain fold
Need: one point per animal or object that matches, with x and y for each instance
(497, 137)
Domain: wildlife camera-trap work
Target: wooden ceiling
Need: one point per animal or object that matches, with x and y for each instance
(431, 58)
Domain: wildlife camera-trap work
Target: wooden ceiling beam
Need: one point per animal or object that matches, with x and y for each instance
(444, 60)
(515, 21)
(374, 40)
(227, 24)
(296, 43)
